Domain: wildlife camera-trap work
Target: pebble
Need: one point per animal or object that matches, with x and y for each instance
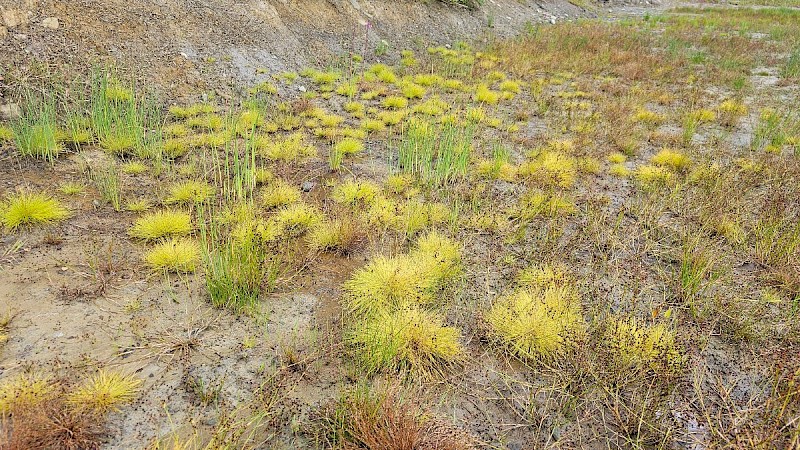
(10, 111)
(307, 186)
(51, 23)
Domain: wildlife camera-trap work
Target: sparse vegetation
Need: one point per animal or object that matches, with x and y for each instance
(583, 236)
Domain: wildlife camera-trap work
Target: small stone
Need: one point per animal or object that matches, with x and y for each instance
(301, 88)
(63, 269)
(50, 23)
(10, 111)
(14, 18)
(553, 20)
(307, 186)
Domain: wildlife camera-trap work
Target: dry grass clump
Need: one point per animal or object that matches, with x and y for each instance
(174, 255)
(43, 413)
(384, 420)
(30, 208)
(161, 224)
(540, 319)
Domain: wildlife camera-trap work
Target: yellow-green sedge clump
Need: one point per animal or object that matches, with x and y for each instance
(175, 130)
(412, 90)
(138, 205)
(174, 255)
(510, 86)
(637, 345)
(333, 236)
(175, 148)
(30, 208)
(538, 322)
(408, 338)
(6, 134)
(395, 102)
(672, 159)
(72, 188)
(392, 117)
(617, 158)
(353, 192)
(104, 392)
(619, 170)
(211, 122)
(161, 224)
(413, 279)
(297, 218)
(134, 168)
(427, 79)
(24, 391)
(192, 110)
(383, 73)
(290, 149)
(349, 146)
(118, 143)
(399, 182)
(647, 117)
(475, 115)
(434, 106)
(730, 111)
(372, 125)
(188, 192)
(485, 95)
(552, 167)
(539, 204)
(650, 175)
(279, 193)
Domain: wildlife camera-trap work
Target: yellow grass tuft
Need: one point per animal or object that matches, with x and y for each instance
(353, 192)
(30, 208)
(650, 175)
(189, 192)
(485, 95)
(104, 392)
(348, 146)
(279, 193)
(672, 159)
(405, 339)
(539, 322)
(23, 391)
(643, 346)
(161, 224)
(174, 255)
(552, 167)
